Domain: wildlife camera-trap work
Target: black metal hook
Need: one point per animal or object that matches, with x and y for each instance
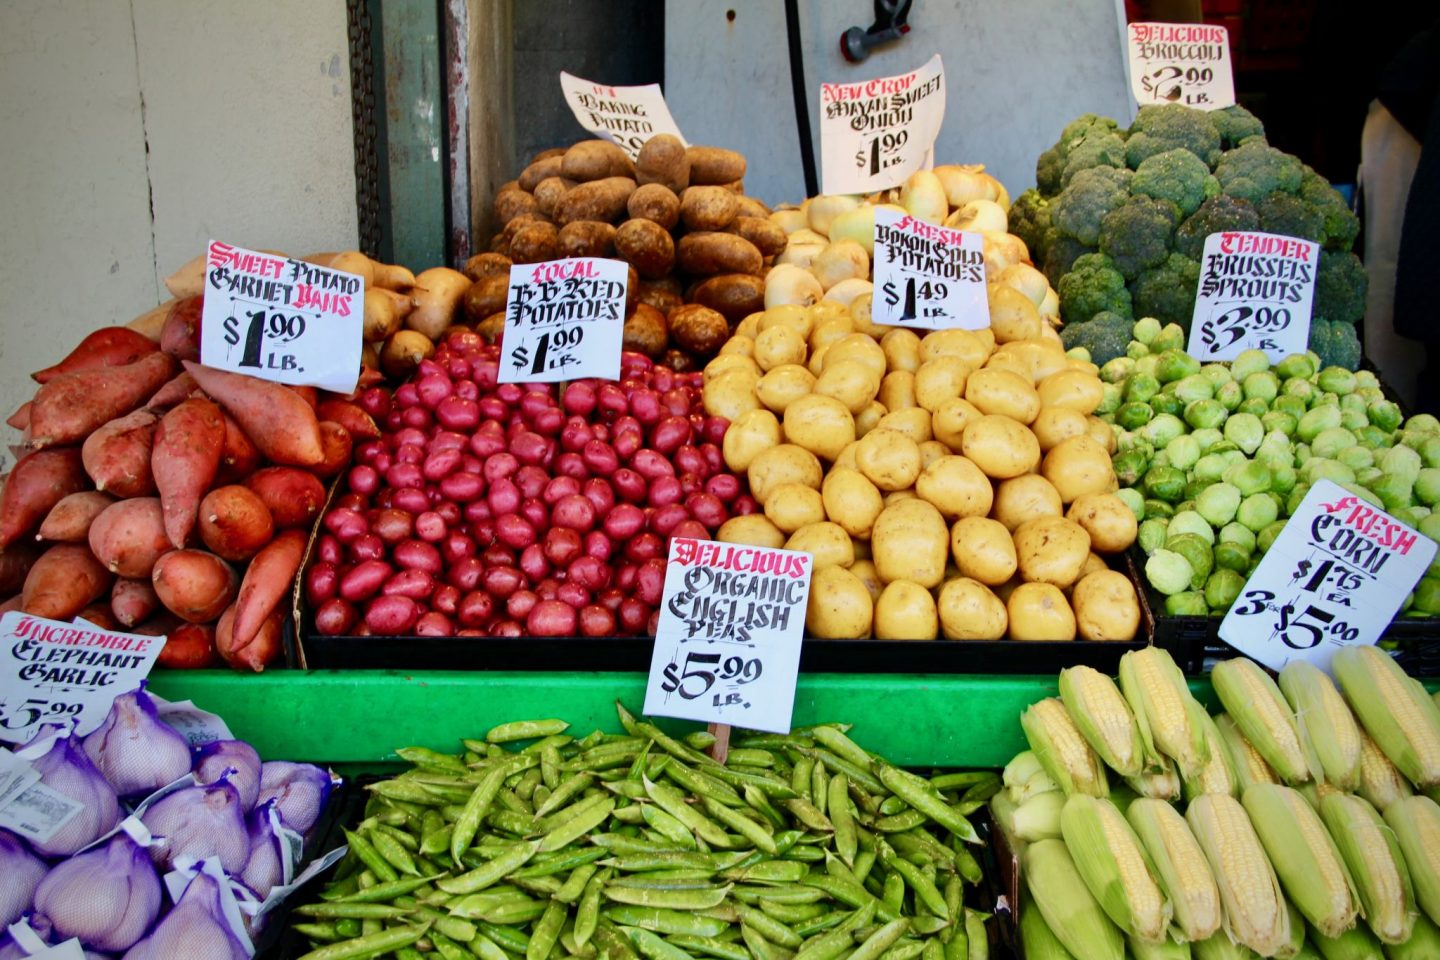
(890, 16)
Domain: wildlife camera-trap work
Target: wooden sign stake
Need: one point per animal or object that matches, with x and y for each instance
(720, 749)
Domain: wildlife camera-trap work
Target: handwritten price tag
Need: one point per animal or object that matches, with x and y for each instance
(281, 319)
(874, 134)
(929, 276)
(1256, 292)
(626, 116)
(564, 320)
(1334, 577)
(727, 648)
(1185, 63)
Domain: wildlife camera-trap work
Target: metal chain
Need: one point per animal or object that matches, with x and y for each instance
(362, 101)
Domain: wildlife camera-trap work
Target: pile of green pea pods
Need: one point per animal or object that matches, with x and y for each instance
(797, 847)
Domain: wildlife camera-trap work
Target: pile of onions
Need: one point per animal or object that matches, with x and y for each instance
(509, 510)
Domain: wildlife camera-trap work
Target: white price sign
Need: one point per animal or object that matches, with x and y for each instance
(281, 319)
(875, 133)
(626, 116)
(53, 672)
(1256, 293)
(727, 648)
(564, 320)
(1184, 63)
(1334, 577)
(928, 276)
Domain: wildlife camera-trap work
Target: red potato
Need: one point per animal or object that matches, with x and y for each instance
(117, 456)
(277, 418)
(38, 481)
(133, 601)
(74, 405)
(129, 536)
(176, 391)
(106, 347)
(65, 580)
(190, 646)
(267, 581)
(20, 419)
(180, 337)
(194, 585)
(262, 649)
(235, 523)
(361, 425)
(184, 460)
(338, 446)
(239, 458)
(69, 520)
(99, 614)
(15, 563)
(293, 497)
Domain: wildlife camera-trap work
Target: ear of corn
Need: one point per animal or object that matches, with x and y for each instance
(1221, 947)
(1380, 783)
(1180, 867)
(1110, 859)
(1003, 808)
(1018, 772)
(1357, 943)
(1039, 817)
(1376, 864)
(1061, 750)
(1416, 824)
(1066, 904)
(1160, 783)
(1310, 867)
(1036, 937)
(1103, 718)
(1327, 727)
(1171, 949)
(1249, 766)
(1254, 907)
(1395, 710)
(1218, 774)
(1255, 704)
(1165, 710)
(1424, 942)
(1296, 945)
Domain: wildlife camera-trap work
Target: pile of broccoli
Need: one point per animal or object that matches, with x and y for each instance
(1118, 221)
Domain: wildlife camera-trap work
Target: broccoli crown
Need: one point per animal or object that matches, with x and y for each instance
(1236, 124)
(1216, 215)
(1341, 224)
(1092, 194)
(1167, 292)
(1092, 286)
(1137, 235)
(1170, 126)
(1335, 343)
(1341, 286)
(1029, 218)
(1106, 335)
(1049, 168)
(1082, 127)
(1061, 252)
(1290, 216)
(1178, 176)
(1254, 170)
(1096, 150)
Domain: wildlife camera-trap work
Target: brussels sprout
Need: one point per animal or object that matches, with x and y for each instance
(1140, 388)
(1188, 521)
(1302, 454)
(1117, 370)
(1394, 490)
(1401, 460)
(1168, 572)
(1184, 506)
(1430, 451)
(1216, 373)
(1134, 350)
(1253, 406)
(1283, 478)
(1427, 486)
(1171, 337)
(1167, 403)
(1133, 415)
(1146, 329)
(1294, 406)
(1129, 466)
(1427, 595)
(1207, 437)
(1265, 538)
(1336, 380)
(1210, 467)
(1218, 503)
(1319, 468)
(1183, 451)
(1279, 421)
(1110, 397)
(1430, 526)
(1158, 508)
(1245, 431)
(1205, 413)
(1223, 586)
(1257, 511)
(1275, 452)
(1248, 362)
(1366, 380)
(1261, 386)
(1152, 534)
(1384, 414)
(1176, 365)
(1145, 363)
(1352, 419)
(1248, 476)
(1238, 534)
(1164, 483)
(1163, 428)
(1196, 552)
(1133, 499)
(1317, 421)
(1356, 457)
(1078, 353)
(1405, 515)
(1193, 489)
(1329, 443)
(1232, 556)
(1420, 510)
(1292, 502)
(1190, 603)
(1372, 438)
(1230, 395)
(1369, 395)
(1364, 493)
(1191, 388)
(1297, 365)
(1301, 389)
(1320, 399)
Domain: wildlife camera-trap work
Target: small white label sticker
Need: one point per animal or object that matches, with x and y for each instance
(875, 133)
(928, 276)
(1184, 63)
(564, 320)
(195, 725)
(626, 116)
(38, 813)
(1256, 292)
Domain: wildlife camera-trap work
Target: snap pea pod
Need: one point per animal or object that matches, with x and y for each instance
(709, 947)
(805, 893)
(838, 806)
(702, 785)
(318, 932)
(393, 851)
(613, 943)
(369, 946)
(835, 941)
(672, 802)
(525, 730)
(976, 937)
(667, 826)
(366, 853)
(920, 795)
(388, 891)
(619, 843)
(687, 899)
(791, 913)
(771, 929)
(925, 890)
(482, 877)
(900, 822)
(425, 757)
(668, 879)
(353, 911)
(768, 871)
(447, 949)
(587, 913)
(568, 861)
(665, 921)
(757, 834)
(904, 949)
(546, 932)
(654, 947)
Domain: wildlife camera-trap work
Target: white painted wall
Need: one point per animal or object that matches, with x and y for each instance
(135, 130)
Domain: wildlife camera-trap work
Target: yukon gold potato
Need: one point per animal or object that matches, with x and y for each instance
(910, 542)
(817, 360)
(791, 506)
(730, 395)
(897, 390)
(1051, 550)
(820, 424)
(1026, 279)
(979, 216)
(826, 542)
(1025, 498)
(791, 283)
(841, 260)
(840, 606)
(1039, 611)
(888, 458)
(783, 385)
(864, 323)
(777, 346)
(970, 611)
(1110, 523)
(1093, 563)
(914, 422)
(864, 569)
(749, 327)
(791, 315)
(846, 292)
(749, 435)
(1001, 447)
(754, 530)
(730, 363)
(830, 330)
(1106, 607)
(983, 550)
(1012, 315)
(827, 309)
(869, 418)
(1011, 363)
(1041, 358)
(785, 463)
(1101, 432)
(897, 495)
(940, 380)
(1056, 424)
(1078, 466)
(851, 500)
(821, 211)
(902, 350)
(1073, 389)
(956, 487)
(860, 347)
(948, 422)
(740, 345)
(969, 345)
(1003, 393)
(905, 611)
(930, 451)
(851, 382)
(846, 458)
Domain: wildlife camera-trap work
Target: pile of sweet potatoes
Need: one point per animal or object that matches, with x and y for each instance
(159, 496)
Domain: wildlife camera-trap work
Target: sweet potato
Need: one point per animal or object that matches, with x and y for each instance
(65, 580)
(129, 536)
(176, 391)
(275, 417)
(14, 603)
(262, 648)
(161, 624)
(106, 347)
(189, 279)
(99, 614)
(74, 405)
(293, 497)
(38, 482)
(15, 563)
(235, 523)
(151, 323)
(194, 585)
(239, 457)
(20, 419)
(69, 520)
(180, 337)
(310, 395)
(338, 444)
(267, 582)
(361, 425)
(133, 601)
(184, 459)
(190, 646)
(117, 456)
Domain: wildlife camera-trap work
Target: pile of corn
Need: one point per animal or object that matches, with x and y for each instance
(1288, 826)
